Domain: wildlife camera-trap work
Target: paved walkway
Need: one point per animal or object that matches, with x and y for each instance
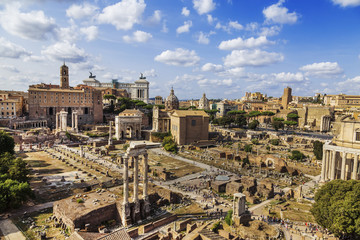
(10, 231)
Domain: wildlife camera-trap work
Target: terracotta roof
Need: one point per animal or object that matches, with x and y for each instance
(184, 113)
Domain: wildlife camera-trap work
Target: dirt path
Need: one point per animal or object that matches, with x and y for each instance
(10, 231)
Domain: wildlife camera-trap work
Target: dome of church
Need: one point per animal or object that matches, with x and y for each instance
(172, 102)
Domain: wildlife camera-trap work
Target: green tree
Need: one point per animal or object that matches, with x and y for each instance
(297, 155)
(169, 144)
(337, 208)
(224, 121)
(246, 161)
(228, 218)
(248, 148)
(254, 124)
(212, 114)
(290, 124)
(275, 142)
(292, 117)
(109, 97)
(278, 119)
(277, 125)
(318, 149)
(7, 143)
(13, 193)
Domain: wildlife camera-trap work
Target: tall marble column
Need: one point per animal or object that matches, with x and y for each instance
(110, 133)
(126, 180)
(136, 179)
(343, 165)
(356, 162)
(333, 165)
(323, 167)
(145, 187)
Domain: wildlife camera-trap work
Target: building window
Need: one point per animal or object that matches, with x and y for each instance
(357, 136)
(193, 122)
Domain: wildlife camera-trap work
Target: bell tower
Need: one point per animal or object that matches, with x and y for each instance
(64, 76)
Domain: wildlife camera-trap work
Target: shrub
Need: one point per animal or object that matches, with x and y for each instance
(228, 218)
(275, 142)
(248, 148)
(80, 200)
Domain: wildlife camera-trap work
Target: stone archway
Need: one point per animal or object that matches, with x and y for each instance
(129, 132)
(270, 163)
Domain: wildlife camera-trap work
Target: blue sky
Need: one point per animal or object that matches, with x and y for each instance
(221, 47)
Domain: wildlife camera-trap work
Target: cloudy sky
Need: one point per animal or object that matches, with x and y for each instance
(221, 47)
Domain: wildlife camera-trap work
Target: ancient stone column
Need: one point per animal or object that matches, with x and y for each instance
(343, 165)
(110, 133)
(63, 121)
(333, 165)
(136, 179)
(126, 181)
(356, 162)
(323, 167)
(145, 187)
(117, 127)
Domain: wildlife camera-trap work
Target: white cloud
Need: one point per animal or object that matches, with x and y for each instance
(69, 52)
(203, 38)
(85, 10)
(138, 36)
(69, 34)
(184, 28)
(210, 19)
(204, 6)
(253, 26)
(215, 82)
(185, 11)
(155, 18)
(32, 25)
(288, 77)
(270, 31)
(124, 14)
(240, 58)
(9, 68)
(236, 25)
(324, 84)
(90, 33)
(164, 27)
(150, 73)
(240, 43)
(347, 3)
(210, 67)
(323, 69)
(354, 84)
(11, 50)
(237, 72)
(179, 57)
(276, 13)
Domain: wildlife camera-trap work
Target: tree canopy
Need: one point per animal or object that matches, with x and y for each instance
(337, 208)
(14, 186)
(297, 155)
(7, 143)
(318, 149)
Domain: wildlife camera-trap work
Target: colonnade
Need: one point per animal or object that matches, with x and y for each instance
(136, 151)
(339, 163)
(30, 124)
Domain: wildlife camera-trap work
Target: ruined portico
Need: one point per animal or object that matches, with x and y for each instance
(136, 210)
(61, 121)
(341, 156)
